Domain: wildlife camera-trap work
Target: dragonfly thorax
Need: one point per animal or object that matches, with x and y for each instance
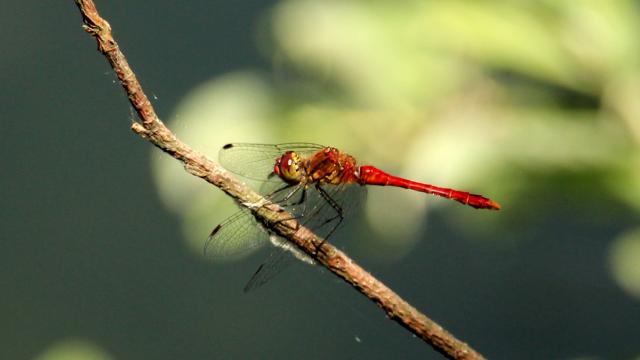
(330, 166)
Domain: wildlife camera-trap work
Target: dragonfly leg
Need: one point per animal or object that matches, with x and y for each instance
(287, 197)
(293, 192)
(272, 194)
(338, 216)
(283, 202)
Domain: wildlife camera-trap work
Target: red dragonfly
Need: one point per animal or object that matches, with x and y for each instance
(318, 185)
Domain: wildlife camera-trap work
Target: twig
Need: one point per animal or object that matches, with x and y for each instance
(152, 129)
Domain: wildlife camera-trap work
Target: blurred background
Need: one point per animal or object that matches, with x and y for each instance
(531, 103)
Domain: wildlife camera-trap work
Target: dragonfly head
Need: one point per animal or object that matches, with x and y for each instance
(289, 168)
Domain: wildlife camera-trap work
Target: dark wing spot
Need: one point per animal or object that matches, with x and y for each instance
(227, 146)
(215, 230)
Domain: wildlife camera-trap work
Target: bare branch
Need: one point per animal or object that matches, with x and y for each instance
(271, 215)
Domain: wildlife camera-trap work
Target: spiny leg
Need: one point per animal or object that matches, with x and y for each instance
(275, 192)
(303, 197)
(336, 207)
(283, 201)
(293, 192)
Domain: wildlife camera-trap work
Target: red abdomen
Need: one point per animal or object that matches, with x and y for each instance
(370, 175)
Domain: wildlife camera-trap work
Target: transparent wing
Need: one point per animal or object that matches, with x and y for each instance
(237, 235)
(320, 207)
(256, 161)
(314, 210)
(278, 260)
(328, 205)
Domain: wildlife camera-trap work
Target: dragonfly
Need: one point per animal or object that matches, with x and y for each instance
(318, 185)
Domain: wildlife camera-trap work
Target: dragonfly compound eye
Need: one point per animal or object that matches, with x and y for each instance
(289, 167)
